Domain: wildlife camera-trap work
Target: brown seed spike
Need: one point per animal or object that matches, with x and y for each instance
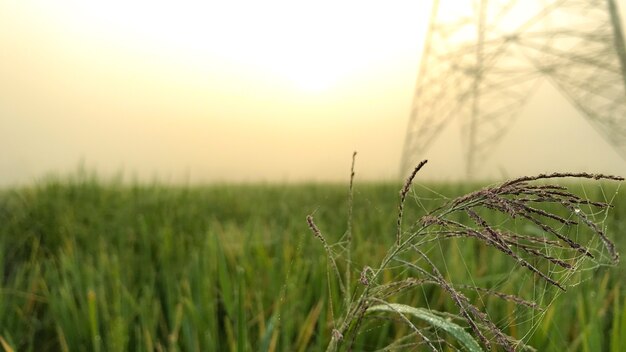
(403, 192)
(316, 231)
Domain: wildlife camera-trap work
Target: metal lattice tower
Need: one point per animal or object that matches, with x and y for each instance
(483, 59)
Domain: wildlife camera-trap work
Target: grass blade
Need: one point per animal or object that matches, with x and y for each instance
(5, 345)
(426, 315)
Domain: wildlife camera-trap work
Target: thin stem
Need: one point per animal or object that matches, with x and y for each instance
(349, 232)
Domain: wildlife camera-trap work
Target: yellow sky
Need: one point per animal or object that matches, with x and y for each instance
(237, 90)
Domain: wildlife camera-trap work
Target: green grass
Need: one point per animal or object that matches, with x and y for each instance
(93, 265)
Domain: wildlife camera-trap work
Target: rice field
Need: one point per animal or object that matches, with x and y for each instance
(100, 265)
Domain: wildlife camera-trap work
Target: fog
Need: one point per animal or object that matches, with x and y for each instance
(74, 94)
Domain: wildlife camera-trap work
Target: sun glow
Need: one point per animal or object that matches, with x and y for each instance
(310, 46)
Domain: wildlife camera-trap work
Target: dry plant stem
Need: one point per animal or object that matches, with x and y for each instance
(456, 297)
(351, 198)
(349, 233)
(467, 307)
(563, 175)
(512, 237)
(493, 239)
(512, 198)
(540, 254)
(605, 240)
(463, 304)
(549, 229)
(520, 206)
(403, 192)
(505, 296)
(492, 198)
(436, 281)
(357, 325)
(360, 307)
(545, 198)
(331, 257)
(396, 287)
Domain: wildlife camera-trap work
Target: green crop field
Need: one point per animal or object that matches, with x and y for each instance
(92, 265)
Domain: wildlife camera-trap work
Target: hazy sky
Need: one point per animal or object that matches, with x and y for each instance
(269, 90)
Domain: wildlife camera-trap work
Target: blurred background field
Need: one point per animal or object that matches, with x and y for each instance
(88, 264)
(246, 113)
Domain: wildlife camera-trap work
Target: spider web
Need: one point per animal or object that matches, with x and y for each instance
(512, 297)
(492, 262)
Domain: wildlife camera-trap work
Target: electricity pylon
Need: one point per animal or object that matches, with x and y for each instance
(483, 59)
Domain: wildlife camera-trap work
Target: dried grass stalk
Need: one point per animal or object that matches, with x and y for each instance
(551, 209)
